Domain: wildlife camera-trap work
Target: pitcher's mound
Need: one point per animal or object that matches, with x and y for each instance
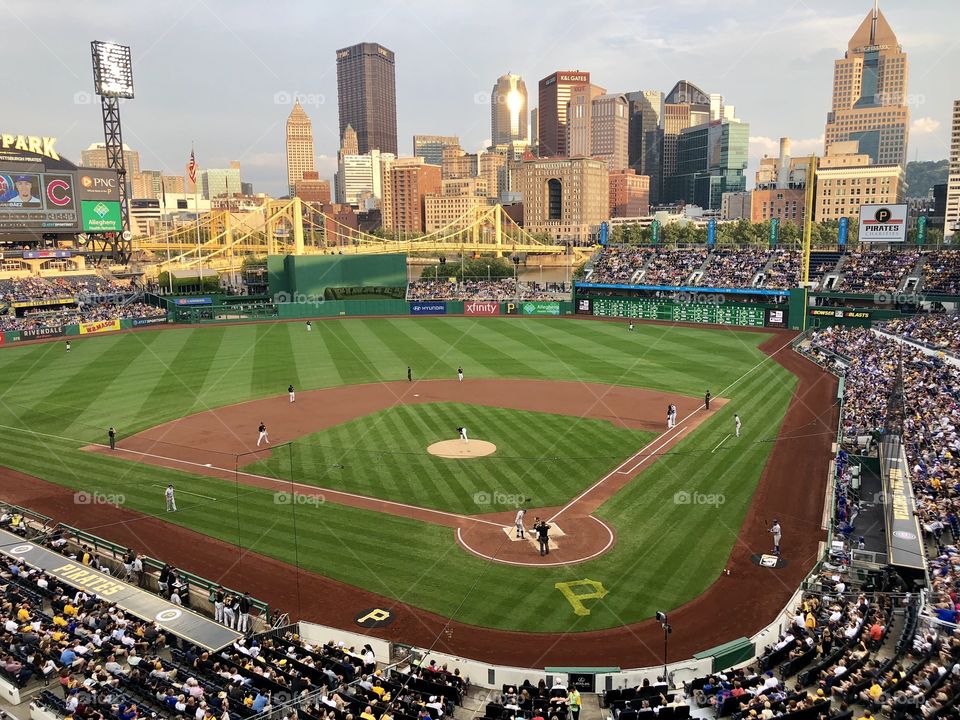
(460, 450)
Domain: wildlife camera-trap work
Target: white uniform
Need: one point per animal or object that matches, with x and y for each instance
(518, 522)
(459, 375)
(309, 327)
(463, 434)
(292, 393)
(775, 531)
(171, 500)
(263, 435)
(736, 424)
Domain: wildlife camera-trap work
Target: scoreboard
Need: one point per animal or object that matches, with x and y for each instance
(707, 313)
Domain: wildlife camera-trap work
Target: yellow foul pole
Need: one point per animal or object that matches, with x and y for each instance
(810, 180)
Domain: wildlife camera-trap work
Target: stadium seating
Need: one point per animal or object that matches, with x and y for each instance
(941, 273)
(494, 290)
(873, 272)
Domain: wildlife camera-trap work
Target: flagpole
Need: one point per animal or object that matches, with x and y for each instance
(196, 207)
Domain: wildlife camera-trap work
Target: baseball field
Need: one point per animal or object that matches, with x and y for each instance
(348, 492)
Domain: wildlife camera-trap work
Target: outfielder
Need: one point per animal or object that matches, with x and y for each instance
(459, 374)
(263, 434)
(518, 522)
(463, 433)
(292, 394)
(775, 531)
(736, 424)
(309, 326)
(171, 500)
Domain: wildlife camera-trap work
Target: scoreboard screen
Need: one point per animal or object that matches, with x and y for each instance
(37, 200)
(706, 313)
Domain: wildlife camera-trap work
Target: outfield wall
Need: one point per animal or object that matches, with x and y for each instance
(90, 328)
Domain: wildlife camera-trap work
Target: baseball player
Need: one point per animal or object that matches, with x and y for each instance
(171, 500)
(630, 327)
(309, 326)
(292, 393)
(263, 434)
(459, 374)
(671, 415)
(409, 374)
(68, 346)
(706, 400)
(775, 531)
(518, 522)
(736, 424)
(463, 433)
(218, 597)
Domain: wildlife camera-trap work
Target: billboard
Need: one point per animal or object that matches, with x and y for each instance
(533, 307)
(428, 308)
(883, 223)
(39, 190)
(99, 326)
(481, 307)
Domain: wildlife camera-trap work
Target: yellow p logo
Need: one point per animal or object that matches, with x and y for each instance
(374, 618)
(569, 590)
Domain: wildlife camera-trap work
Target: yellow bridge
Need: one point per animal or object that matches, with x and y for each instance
(222, 239)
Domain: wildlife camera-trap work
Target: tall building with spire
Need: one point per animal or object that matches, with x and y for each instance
(508, 110)
(367, 95)
(299, 146)
(870, 94)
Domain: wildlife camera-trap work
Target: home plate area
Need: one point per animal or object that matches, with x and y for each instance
(530, 537)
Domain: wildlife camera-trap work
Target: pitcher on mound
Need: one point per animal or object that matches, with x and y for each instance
(463, 433)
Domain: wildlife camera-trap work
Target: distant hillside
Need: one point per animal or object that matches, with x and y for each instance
(922, 176)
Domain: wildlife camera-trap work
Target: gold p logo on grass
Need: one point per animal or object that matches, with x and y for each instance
(575, 598)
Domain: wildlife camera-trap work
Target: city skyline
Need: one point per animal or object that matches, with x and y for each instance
(444, 80)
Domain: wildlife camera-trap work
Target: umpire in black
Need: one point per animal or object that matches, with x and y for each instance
(112, 434)
(542, 528)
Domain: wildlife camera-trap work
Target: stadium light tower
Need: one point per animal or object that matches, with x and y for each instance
(113, 80)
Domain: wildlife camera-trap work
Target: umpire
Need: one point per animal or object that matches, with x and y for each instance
(542, 528)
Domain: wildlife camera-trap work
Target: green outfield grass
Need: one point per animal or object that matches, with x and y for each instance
(383, 455)
(137, 380)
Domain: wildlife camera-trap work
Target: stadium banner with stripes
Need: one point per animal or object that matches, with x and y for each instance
(90, 328)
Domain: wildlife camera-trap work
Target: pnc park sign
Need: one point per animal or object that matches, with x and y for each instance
(35, 144)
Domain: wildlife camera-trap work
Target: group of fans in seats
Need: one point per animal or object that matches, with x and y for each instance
(537, 702)
(941, 273)
(930, 433)
(32, 287)
(735, 268)
(727, 267)
(879, 271)
(45, 317)
(674, 267)
(494, 290)
(940, 332)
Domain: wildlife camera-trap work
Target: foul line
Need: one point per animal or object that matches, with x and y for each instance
(315, 489)
(719, 444)
(185, 492)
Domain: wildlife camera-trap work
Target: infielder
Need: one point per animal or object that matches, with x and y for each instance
(263, 434)
(671, 415)
(775, 531)
(518, 522)
(736, 424)
(706, 400)
(292, 394)
(171, 500)
(463, 433)
(459, 374)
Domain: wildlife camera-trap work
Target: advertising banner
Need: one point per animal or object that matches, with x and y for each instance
(481, 307)
(41, 332)
(883, 223)
(533, 307)
(142, 322)
(428, 308)
(91, 328)
(584, 306)
(101, 216)
(776, 318)
(195, 301)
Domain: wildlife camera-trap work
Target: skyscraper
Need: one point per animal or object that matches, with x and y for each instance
(685, 106)
(711, 160)
(430, 147)
(870, 94)
(299, 146)
(952, 216)
(367, 95)
(554, 95)
(508, 110)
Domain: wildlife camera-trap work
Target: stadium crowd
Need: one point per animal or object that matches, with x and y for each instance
(618, 264)
(494, 290)
(734, 268)
(674, 267)
(931, 435)
(940, 332)
(873, 272)
(45, 318)
(941, 273)
(32, 287)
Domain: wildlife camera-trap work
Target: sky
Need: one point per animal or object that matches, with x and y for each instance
(222, 74)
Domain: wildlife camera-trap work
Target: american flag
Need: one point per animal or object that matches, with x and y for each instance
(192, 168)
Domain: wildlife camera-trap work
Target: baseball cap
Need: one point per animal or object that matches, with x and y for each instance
(21, 178)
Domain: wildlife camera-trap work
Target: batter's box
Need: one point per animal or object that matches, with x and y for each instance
(531, 537)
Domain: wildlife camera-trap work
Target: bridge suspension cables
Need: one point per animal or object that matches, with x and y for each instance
(222, 239)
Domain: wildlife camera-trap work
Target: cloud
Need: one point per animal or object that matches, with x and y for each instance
(924, 126)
